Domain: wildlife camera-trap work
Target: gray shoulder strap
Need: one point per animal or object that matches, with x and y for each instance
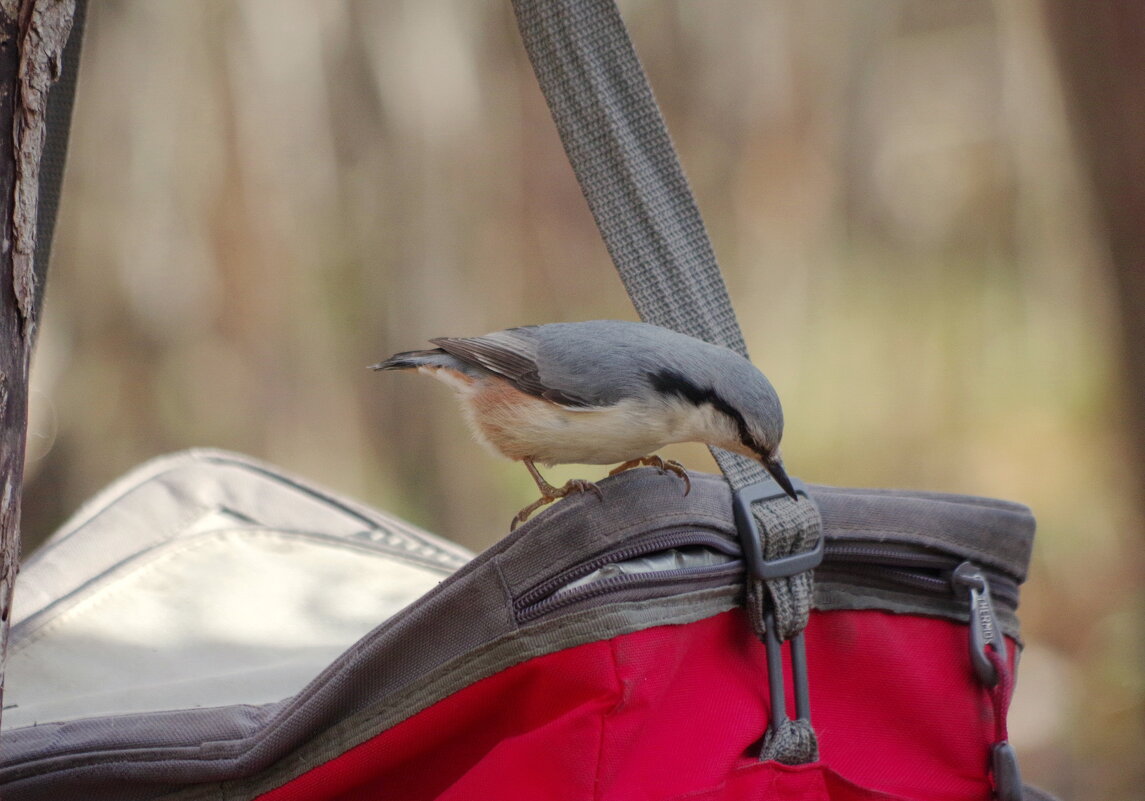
(623, 158)
(619, 147)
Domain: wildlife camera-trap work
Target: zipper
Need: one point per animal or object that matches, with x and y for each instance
(907, 567)
(554, 593)
(894, 566)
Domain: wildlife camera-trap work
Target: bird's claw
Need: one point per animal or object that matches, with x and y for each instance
(665, 466)
(570, 487)
(581, 485)
(672, 466)
(523, 515)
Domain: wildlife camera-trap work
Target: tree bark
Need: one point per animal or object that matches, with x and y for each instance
(32, 38)
(1100, 47)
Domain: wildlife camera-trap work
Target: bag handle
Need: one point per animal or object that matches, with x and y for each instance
(623, 158)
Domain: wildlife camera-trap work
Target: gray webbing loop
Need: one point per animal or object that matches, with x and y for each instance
(786, 740)
(619, 147)
(789, 532)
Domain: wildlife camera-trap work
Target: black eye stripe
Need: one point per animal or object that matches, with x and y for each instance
(669, 382)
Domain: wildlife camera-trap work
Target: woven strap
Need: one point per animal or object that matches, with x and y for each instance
(619, 147)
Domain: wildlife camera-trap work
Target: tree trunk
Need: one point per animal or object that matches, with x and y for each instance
(32, 38)
(1100, 47)
(1101, 52)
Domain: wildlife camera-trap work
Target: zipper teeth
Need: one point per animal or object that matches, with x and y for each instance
(889, 561)
(895, 564)
(896, 555)
(933, 584)
(643, 548)
(1002, 587)
(625, 581)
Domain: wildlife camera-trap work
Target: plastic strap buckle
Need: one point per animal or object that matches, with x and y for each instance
(751, 541)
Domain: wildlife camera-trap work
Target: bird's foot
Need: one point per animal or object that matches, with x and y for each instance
(551, 493)
(665, 466)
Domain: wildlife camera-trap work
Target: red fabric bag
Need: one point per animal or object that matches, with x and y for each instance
(676, 712)
(600, 652)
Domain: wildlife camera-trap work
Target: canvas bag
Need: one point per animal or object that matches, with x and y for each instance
(601, 651)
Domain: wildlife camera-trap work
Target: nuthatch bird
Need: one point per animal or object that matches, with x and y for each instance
(602, 392)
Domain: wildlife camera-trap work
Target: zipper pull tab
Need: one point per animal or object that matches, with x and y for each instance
(993, 673)
(984, 629)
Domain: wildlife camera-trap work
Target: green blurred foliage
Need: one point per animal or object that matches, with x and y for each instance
(265, 197)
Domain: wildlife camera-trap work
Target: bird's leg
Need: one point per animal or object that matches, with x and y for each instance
(549, 493)
(663, 465)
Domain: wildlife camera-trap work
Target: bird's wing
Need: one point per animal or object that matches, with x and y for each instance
(511, 354)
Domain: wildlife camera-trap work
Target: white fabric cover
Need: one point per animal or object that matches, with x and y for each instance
(204, 579)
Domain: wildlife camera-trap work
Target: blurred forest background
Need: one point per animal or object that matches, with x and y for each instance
(265, 196)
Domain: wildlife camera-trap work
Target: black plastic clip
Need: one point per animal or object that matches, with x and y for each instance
(751, 541)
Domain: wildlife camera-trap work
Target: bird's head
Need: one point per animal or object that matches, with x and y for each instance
(767, 455)
(743, 413)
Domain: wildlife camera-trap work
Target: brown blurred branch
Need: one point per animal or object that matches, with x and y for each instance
(32, 39)
(1101, 51)
(1100, 47)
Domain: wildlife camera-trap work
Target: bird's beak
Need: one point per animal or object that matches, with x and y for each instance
(775, 467)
